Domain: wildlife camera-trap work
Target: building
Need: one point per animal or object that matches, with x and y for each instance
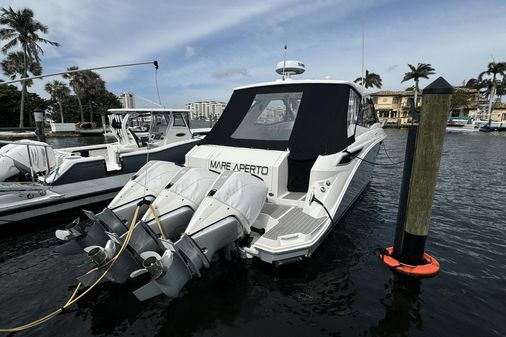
(205, 109)
(499, 112)
(392, 107)
(127, 100)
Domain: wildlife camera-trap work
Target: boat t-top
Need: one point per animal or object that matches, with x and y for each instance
(281, 166)
(36, 179)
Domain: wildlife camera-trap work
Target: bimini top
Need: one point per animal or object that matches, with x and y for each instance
(309, 118)
(142, 110)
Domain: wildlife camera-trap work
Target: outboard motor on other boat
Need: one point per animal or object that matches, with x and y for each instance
(175, 206)
(146, 184)
(14, 158)
(224, 217)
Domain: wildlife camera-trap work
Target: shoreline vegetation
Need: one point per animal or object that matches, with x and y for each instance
(83, 98)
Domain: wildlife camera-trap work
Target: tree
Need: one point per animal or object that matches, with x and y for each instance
(9, 104)
(370, 80)
(14, 65)
(494, 70)
(462, 98)
(58, 91)
(422, 70)
(474, 83)
(20, 27)
(94, 87)
(77, 81)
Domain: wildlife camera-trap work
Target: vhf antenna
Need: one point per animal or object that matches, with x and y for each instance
(363, 51)
(284, 63)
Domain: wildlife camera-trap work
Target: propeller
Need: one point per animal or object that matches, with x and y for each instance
(154, 264)
(101, 255)
(71, 231)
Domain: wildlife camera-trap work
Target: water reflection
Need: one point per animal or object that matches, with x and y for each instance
(215, 299)
(402, 307)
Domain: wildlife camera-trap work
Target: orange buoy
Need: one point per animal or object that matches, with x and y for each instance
(429, 268)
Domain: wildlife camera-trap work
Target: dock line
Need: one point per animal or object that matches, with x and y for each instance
(73, 299)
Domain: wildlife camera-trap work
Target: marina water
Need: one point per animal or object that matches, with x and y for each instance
(342, 290)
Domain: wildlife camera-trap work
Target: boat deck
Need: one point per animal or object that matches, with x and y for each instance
(290, 220)
(20, 206)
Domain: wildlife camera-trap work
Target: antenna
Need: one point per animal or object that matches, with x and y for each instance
(363, 51)
(155, 63)
(284, 63)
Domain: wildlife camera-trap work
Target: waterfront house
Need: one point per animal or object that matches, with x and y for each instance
(392, 107)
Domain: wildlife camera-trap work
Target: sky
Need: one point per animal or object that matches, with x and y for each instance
(206, 48)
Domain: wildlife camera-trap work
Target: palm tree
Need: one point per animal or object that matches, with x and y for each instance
(494, 70)
(94, 86)
(13, 66)
(422, 70)
(370, 80)
(77, 81)
(58, 91)
(19, 27)
(474, 83)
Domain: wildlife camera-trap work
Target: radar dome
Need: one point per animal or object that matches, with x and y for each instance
(289, 68)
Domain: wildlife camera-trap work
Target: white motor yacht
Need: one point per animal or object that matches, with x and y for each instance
(273, 177)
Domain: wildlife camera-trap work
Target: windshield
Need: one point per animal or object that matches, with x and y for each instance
(270, 117)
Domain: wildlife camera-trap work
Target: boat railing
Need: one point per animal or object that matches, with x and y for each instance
(32, 174)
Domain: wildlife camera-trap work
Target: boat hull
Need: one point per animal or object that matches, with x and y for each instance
(354, 190)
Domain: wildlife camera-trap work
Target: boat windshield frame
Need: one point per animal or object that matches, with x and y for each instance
(124, 121)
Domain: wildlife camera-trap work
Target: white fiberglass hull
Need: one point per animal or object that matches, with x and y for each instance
(292, 245)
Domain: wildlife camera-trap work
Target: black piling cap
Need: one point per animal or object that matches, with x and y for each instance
(439, 86)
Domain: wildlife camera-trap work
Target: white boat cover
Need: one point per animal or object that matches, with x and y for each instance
(159, 173)
(21, 160)
(245, 193)
(194, 184)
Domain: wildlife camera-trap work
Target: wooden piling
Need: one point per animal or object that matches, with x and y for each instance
(428, 149)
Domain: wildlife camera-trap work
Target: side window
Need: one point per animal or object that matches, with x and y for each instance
(367, 115)
(178, 120)
(353, 108)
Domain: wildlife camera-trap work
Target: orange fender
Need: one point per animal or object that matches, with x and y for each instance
(428, 269)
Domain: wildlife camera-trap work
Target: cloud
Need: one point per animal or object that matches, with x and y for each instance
(243, 43)
(189, 51)
(229, 72)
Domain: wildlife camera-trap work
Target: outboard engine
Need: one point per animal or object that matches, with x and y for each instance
(23, 158)
(174, 206)
(146, 184)
(224, 217)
